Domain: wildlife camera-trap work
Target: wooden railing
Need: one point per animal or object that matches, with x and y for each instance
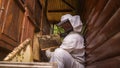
(22, 53)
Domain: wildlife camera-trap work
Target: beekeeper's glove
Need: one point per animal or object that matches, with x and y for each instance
(49, 53)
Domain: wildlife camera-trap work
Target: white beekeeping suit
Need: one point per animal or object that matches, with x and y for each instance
(71, 52)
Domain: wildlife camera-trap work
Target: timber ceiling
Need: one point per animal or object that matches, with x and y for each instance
(54, 9)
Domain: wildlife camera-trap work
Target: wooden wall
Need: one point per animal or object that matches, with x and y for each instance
(18, 21)
(102, 33)
(10, 26)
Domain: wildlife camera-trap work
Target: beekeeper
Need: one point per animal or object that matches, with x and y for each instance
(71, 52)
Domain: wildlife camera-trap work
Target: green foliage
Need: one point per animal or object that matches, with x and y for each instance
(58, 30)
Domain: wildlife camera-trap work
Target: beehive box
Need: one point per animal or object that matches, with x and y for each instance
(49, 41)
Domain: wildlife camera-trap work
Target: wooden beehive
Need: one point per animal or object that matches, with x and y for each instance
(48, 41)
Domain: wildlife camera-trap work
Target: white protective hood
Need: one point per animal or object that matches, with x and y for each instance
(74, 20)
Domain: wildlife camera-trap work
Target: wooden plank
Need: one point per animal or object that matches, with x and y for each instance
(4, 4)
(109, 63)
(86, 10)
(108, 11)
(52, 11)
(31, 5)
(12, 23)
(103, 18)
(21, 4)
(8, 40)
(38, 12)
(111, 28)
(25, 27)
(94, 14)
(108, 50)
(5, 45)
(36, 48)
(27, 65)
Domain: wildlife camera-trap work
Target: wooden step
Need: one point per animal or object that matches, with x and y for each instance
(27, 65)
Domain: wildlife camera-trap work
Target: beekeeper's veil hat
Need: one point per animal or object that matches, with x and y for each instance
(74, 20)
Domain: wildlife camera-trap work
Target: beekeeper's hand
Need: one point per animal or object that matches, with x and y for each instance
(49, 53)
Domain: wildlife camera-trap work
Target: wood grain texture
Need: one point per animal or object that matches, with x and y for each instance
(102, 37)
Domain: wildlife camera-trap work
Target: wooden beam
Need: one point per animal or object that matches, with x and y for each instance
(68, 4)
(60, 10)
(4, 64)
